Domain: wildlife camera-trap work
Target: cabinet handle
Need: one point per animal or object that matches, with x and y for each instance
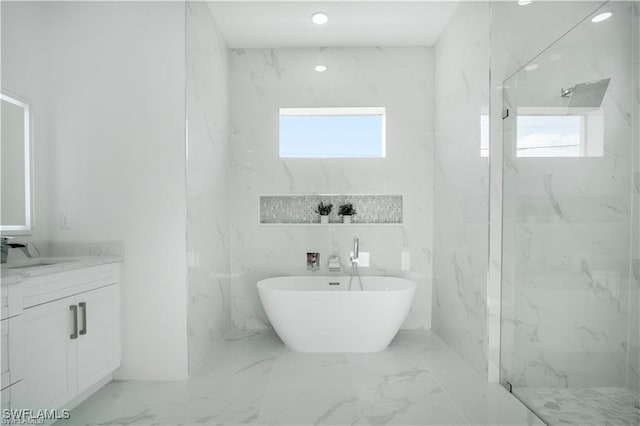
(74, 309)
(83, 307)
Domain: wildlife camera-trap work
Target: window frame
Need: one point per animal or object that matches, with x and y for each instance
(337, 112)
(591, 120)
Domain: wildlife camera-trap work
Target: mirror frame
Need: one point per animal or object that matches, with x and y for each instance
(27, 227)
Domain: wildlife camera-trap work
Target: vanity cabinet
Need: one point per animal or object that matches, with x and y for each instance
(12, 396)
(12, 353)
(50, 355)
(71, 342)
(98, 343)
(11, 346)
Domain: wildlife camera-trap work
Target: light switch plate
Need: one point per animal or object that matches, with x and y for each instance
(66, 221)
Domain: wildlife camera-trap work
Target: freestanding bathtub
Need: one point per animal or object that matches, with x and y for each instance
(319, 314)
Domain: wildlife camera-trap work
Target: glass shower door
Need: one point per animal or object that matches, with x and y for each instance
(570, 279)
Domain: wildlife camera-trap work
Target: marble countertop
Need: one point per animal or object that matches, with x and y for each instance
(15, 272)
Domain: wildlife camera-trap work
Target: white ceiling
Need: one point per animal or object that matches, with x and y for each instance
(280, 24)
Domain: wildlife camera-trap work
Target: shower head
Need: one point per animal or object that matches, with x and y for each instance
(586, 95)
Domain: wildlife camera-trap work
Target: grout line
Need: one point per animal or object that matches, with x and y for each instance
(352, 365)
(269, 382)
(450, 399)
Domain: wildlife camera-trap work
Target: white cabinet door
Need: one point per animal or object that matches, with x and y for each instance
(12, 351)
(99, 335)
(50, 378)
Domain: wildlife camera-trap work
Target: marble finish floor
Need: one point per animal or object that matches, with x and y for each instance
(583, 406)
(418, 380)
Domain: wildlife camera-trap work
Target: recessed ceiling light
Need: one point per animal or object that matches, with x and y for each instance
(531, 67)
(601, 17)
(319, 18)
(525, 2)
(320, 68)
(555, 57)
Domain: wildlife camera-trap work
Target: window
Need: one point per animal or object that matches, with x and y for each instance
(549, 132)
(332, 133)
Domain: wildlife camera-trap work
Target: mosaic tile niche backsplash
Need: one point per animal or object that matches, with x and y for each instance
(301, 208)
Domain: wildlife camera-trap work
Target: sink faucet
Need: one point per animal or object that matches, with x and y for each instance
(6, 245)
(353, 259)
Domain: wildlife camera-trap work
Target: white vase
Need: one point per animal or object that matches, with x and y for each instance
(324, 219)
(346, 218)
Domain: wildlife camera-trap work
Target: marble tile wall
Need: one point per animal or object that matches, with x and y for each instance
(96, 248)
(263, 80)
(208, 249)
(301, 208)
(567, 224)
(461, 177)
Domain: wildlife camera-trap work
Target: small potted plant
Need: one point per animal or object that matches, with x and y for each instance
(323, 210)
(346, 211)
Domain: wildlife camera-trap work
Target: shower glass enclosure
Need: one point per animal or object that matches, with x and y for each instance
(571, 226)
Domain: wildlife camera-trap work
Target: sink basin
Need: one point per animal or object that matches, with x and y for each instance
(35, 263)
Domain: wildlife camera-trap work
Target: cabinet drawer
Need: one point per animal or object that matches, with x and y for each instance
(12, 351)
(11, 300)
(50, 287)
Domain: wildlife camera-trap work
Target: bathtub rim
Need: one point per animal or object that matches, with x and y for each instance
(410, 284)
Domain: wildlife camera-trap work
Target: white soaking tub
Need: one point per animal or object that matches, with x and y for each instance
(319, 314)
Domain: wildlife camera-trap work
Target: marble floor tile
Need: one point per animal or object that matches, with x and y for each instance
(395, 387)
(583, 406)
(127, 402)
(484, 403)
(418, 341)
(253, 379)
(310, 389)
(406, 397)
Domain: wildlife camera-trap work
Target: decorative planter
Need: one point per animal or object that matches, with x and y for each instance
(346, 218)
(324, 219)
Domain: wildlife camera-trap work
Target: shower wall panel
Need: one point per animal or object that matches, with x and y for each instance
(633, 367)
(567, 220)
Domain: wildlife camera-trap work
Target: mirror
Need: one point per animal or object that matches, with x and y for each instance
(15, 151)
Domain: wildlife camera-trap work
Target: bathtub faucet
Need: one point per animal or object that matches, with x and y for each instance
(356, 250)
(353, 259)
